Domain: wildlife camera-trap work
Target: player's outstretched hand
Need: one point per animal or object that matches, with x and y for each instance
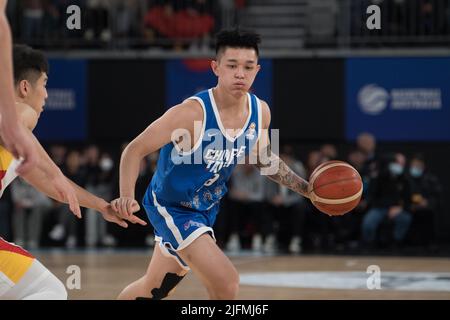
(125, 206)
(112, 216)
(109, 214)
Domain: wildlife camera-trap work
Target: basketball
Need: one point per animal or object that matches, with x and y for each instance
(335, 187)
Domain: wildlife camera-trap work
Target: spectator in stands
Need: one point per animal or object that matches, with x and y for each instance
(425, 201)
(329, 152)
(399, 18)
(366, 143)
(246, 217)
(182, 25)
(289, 206)
(227, 15)
(67, 227)
(99, 172)
(426, 17)
(321, 19)
(314, 159)
(319, 228)
(30, 207)
(58, 154)
(349, 225)
(389, 198)
(53, 19)
(32, 20)
(98, 14)
(55, 22)
(358, 160)
(14, 15)
(127, 21)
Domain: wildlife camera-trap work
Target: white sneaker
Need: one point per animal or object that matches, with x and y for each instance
(58, 232)
(234, 244)
(270, 244)
(296, 245)
(257, 243)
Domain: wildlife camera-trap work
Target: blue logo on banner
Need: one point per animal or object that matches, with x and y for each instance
(64, 116)
(398, 99)
(185, 78)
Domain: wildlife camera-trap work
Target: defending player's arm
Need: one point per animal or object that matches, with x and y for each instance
(155, 136)
(59, 187)
(38, 179)
(274, 167)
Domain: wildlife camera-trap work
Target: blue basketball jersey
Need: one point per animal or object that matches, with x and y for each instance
(196, 180)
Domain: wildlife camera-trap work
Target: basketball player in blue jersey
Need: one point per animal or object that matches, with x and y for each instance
(201, 140)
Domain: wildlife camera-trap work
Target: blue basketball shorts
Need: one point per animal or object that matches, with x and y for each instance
(177, 227)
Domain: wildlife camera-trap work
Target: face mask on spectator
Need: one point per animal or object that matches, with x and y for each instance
(106, 164)
(395, 168)
(416, 172)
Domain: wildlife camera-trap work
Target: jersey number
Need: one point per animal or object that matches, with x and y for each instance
(212, 180)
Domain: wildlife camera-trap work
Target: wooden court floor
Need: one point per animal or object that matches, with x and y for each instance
(105, 274)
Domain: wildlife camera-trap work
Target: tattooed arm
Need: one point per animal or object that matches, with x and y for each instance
(271, 165)
(278, 171)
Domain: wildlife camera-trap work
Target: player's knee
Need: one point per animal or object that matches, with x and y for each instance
(226, 292)
(228, 288)
(232, 290)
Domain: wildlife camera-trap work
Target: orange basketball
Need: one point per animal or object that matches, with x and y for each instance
(335, 187)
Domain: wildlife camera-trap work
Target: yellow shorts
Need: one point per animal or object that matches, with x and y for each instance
(14, 263)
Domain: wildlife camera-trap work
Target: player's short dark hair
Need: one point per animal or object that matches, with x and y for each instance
(237, 38)
(28, 63)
